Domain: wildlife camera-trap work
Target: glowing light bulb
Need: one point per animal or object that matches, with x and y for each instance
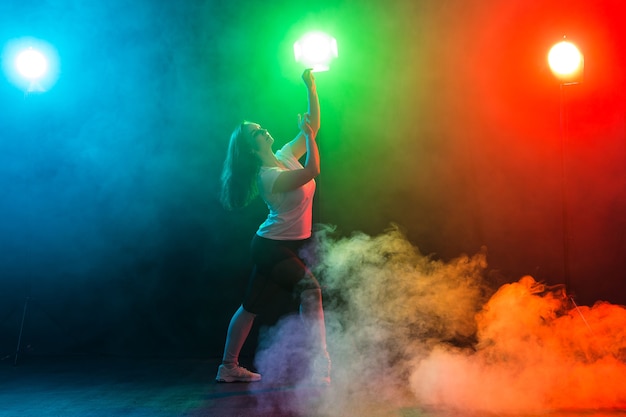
(31, 64)
(564, 58)
(316, 50)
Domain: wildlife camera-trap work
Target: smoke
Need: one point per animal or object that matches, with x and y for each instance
(535, 352)
(406, 330)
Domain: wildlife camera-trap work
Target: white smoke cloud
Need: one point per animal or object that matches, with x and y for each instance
(407, 331)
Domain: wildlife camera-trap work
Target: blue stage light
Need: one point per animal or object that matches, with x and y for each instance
(31, 64)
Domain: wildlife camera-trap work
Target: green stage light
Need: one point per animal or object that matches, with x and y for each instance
(316, 50)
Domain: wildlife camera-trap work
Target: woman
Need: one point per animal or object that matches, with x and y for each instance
(251, 168)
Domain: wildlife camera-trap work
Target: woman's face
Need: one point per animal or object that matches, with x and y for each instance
(260, 139)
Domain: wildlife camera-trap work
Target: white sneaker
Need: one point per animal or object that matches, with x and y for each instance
(236, 374)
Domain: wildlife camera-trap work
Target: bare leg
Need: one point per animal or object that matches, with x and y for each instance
(238, 331)
(312, 313)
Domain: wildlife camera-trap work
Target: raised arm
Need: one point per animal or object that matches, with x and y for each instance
(314, 103)
(298, 145)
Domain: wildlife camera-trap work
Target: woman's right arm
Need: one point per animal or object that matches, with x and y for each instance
(290, 180)
(298, 145)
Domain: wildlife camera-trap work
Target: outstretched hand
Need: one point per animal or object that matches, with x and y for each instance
(308, 78)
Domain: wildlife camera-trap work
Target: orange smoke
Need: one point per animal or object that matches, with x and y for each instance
(535, 352)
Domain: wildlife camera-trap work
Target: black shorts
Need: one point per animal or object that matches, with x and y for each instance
(278, 268)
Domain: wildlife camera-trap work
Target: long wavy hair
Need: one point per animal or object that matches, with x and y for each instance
(239, 174)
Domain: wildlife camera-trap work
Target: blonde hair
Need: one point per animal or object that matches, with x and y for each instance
(239, 174)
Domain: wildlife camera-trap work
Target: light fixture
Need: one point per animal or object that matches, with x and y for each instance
(31, 64)
(566, 62)
(316, 50)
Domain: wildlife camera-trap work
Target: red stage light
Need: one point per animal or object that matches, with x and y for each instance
(566, 62)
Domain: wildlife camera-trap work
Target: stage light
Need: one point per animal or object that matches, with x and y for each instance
(316, 50)
(566, 62)
(31, 64)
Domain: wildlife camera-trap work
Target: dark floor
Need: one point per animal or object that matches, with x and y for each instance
(112, 386)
